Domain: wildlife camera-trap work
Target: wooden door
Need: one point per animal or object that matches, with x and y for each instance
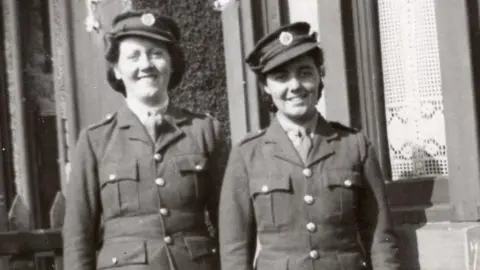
(94, 97)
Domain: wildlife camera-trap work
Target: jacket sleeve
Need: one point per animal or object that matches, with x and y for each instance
(217, 162)
(82, 209)
(237, 223)
(376, 227)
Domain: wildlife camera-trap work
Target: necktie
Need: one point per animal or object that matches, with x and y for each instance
(152, 122)
(303, 145)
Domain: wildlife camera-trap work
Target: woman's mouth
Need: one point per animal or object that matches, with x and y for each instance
(150, 76)
(299, 97)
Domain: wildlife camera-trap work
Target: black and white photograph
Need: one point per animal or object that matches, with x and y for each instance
(240, 135)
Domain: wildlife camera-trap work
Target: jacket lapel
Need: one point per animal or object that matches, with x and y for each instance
(281, 145)
(170, 131)
(321, 146)
(130, 123)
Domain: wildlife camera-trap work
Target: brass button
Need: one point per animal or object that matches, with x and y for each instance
(157, 157)
(348, 183)
(264, 188)
(307, 172)
(160, 181)
(198, 167)
(214, 250)
(314, 254)
(168, 240)
(311, 227)
(114, 260)
(308, 199)
(164, 211)
(112, 177)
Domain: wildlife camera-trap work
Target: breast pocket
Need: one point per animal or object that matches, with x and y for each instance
(341, 188)
(119, 187)
(191, 173)
(272, 200)
(122, 254)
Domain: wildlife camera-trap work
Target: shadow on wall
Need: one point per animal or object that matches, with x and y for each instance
(410, 200)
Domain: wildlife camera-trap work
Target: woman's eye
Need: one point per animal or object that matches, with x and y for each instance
(305, 73)
(280, 76)
(157, 54)
(133, 56)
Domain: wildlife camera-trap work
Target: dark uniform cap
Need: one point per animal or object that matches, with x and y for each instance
(148, 24)
(281, 46)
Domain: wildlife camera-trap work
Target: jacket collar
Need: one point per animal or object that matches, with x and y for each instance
(174, 117)
(284, 149)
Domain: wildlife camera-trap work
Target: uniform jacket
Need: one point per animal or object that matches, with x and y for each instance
(330, 213)
(136, 204)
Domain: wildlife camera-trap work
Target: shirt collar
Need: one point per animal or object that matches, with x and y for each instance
(292, 128)
(143, 112)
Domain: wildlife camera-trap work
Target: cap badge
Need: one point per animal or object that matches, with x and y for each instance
(148, 19)
(285, 38)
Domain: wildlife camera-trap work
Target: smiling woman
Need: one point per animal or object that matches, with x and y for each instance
(148, 177)
(295, 88)
(145, 68)
(309, 190)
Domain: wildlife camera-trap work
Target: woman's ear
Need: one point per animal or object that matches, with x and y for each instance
(117, 73)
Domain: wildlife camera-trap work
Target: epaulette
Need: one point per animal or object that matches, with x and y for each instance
(252, 135)
(196, 114)
(337, 125)
(108, 118)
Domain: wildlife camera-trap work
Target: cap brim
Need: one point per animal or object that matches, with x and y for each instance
(145, 34)
(288, 55)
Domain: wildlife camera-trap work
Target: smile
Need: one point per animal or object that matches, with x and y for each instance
(150, 76)
(299, 97)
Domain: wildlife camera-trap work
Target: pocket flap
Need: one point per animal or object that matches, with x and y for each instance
(191, 163)
(344, 178)
(266, 185)
(199, 246)
(114, 172)
(115, 254)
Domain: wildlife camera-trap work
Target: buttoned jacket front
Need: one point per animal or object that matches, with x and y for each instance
(136, 204)
(330, 213)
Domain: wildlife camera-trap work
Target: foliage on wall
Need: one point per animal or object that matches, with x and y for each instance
(203, 88)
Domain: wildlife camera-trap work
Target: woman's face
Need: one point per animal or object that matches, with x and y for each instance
(145, 67)
(294, 88)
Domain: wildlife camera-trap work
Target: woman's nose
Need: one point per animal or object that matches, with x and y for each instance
(293, 83)
(144, 62)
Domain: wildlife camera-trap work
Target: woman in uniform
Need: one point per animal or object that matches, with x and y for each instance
(144, 187)
(310, 190)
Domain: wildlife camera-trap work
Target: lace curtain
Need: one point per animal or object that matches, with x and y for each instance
(413, 93)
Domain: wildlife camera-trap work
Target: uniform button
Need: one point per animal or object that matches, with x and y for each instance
(160, 182)
(164, 211)
(348, 183)
(264, 188)
(311, 227)
(112, 177)
(157, 157)
(198, 167)
(214, 250)
(114, 260)
(314, 254)
(308, 199)
(168, 240)
(307, 172)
